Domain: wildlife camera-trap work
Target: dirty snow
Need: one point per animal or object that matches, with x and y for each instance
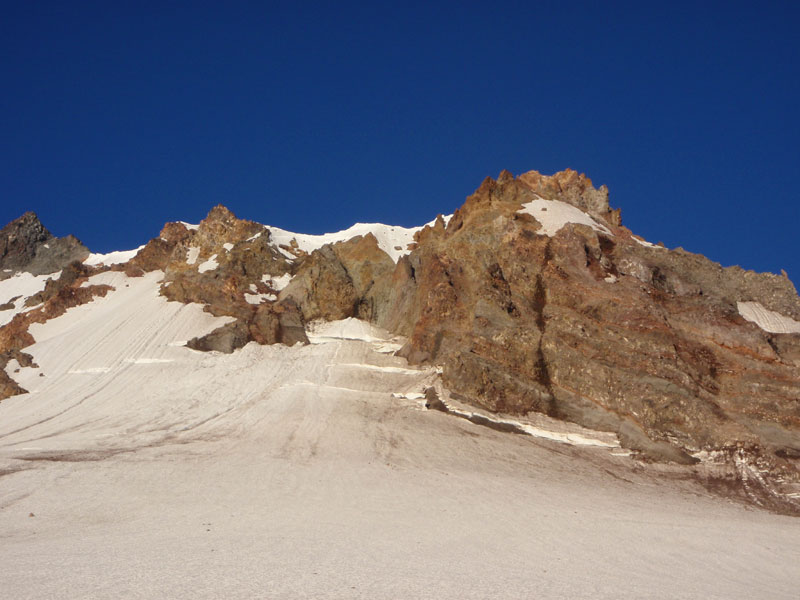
(768, 320)
(554, 214)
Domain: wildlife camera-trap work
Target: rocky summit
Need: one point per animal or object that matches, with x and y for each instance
(26, 245)
(531, 299)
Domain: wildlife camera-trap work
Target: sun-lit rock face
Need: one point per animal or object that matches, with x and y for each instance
(532, 297)
(580, 320)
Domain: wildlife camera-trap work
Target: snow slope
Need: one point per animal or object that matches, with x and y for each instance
(139, 468)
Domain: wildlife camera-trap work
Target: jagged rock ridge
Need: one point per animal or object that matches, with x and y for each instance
(532, 297)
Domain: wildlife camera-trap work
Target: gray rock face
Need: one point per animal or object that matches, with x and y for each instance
(26, 245)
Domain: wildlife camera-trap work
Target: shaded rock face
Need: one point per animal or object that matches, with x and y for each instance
(26, 245)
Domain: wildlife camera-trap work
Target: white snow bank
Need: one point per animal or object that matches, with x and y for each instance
(209, 265)
(112, 258)
(768, 320)
(189, 225)
(393, 240)
(554, 214)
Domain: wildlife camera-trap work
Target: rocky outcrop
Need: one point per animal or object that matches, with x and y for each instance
(230, 266)
(9, 387)
(347, 279)
(26, 245)
(577, 319)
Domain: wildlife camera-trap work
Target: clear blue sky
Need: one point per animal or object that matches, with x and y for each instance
(116, 117)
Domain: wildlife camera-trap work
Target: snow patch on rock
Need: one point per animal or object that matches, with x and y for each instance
(768, 320)
(277, 283)
(192, 254)
(554, 214)
(209, 265)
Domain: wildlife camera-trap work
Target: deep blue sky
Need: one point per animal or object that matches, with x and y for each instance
(116, 117)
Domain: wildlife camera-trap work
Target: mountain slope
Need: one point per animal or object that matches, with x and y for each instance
(139, 467)
(521, 396)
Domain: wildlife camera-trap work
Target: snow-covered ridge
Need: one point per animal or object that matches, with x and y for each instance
(392, 239)
(112, 258)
